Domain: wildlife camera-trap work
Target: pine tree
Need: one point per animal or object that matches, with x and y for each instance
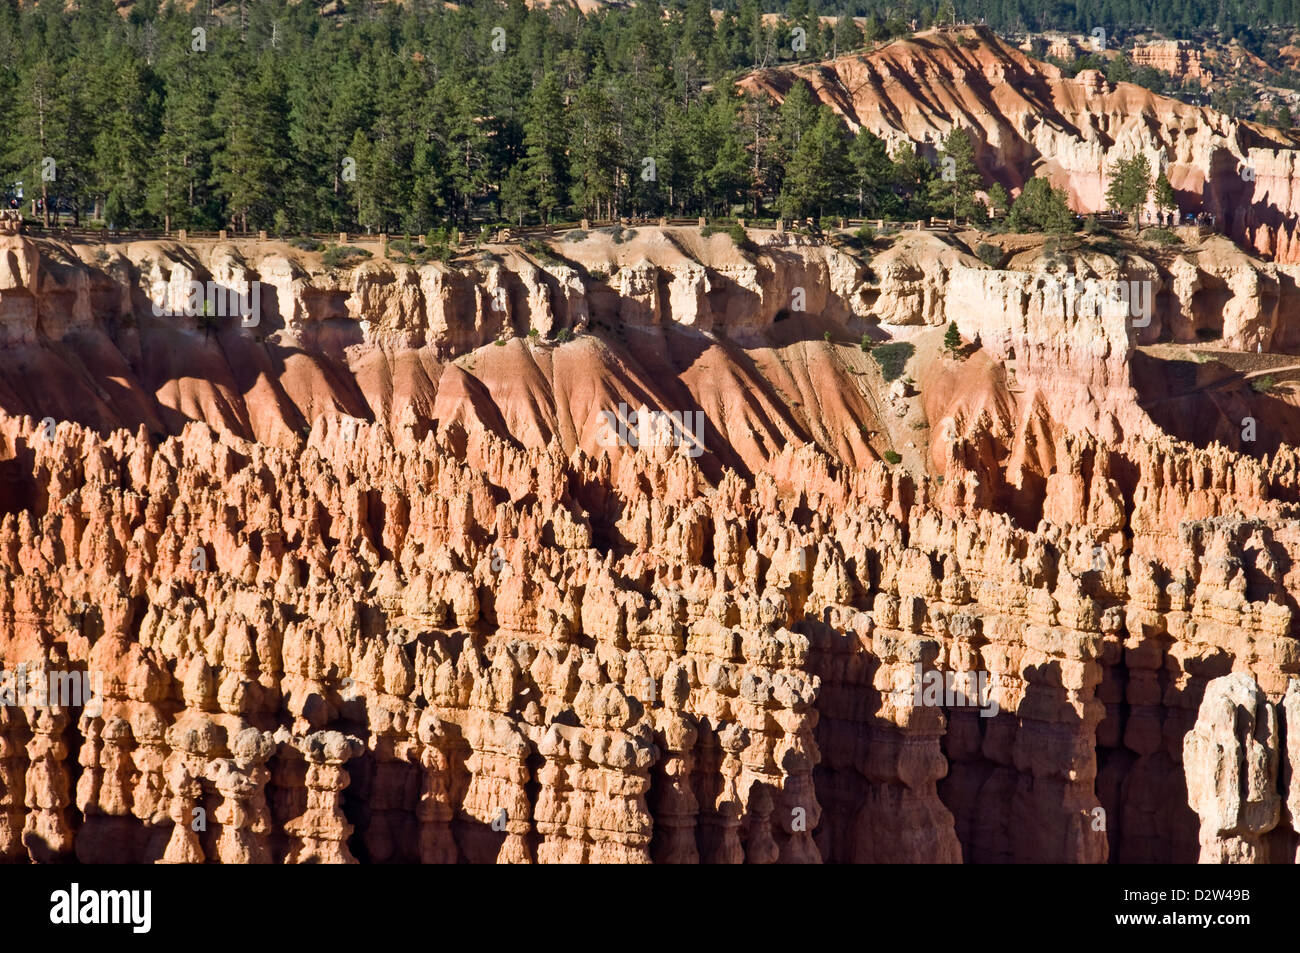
(847, 36)
(593, 150)
(952, 340)
(872, 172)
(43, 117)
(726, 172)
(1130, 184)
(912, 176)
(466, 146)
(123, 149)
(545, 177)
(247, 166)
(796, 117)
(999, 201)
(759, 120)
(1040, 207)
(1164, 195)
(516, 196)
(952, 192)
(178, 177)
(819, 168)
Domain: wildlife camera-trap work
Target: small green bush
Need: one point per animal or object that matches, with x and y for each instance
(576, 235)
(534, 333)
(1161, 236)
(826, 336)
(542, 252)
(893, 456)
(338, 255)
(1262, 385)
(563, 335)
(866, 343)
(989, 253)
(305, 243)
(892, 358)
(733, 231)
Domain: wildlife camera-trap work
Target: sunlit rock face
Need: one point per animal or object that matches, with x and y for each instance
(358, 584)
(1028, 119)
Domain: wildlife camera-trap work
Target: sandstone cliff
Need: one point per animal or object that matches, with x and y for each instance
(1028, 119)
(359, 584)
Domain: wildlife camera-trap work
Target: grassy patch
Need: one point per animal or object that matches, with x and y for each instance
(988, 253)
(892, 358)
(618, 233)
(1161, 236)
(862, 238)
(542, 252)
(338, 255)
(738, 235)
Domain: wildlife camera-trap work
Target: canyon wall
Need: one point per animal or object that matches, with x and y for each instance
(1026, 118)
(357, 584)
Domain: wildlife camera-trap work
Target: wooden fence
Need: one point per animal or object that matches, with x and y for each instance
(496, 235)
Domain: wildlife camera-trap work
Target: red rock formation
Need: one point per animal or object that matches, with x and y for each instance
(1028, 119)
(464, 631)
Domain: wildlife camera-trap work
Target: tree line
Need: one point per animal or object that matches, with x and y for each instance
(413, 116)
(407, 116)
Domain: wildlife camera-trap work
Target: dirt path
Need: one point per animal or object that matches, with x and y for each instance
(1232, 379)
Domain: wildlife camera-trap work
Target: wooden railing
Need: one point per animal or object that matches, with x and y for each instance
(496, 235)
